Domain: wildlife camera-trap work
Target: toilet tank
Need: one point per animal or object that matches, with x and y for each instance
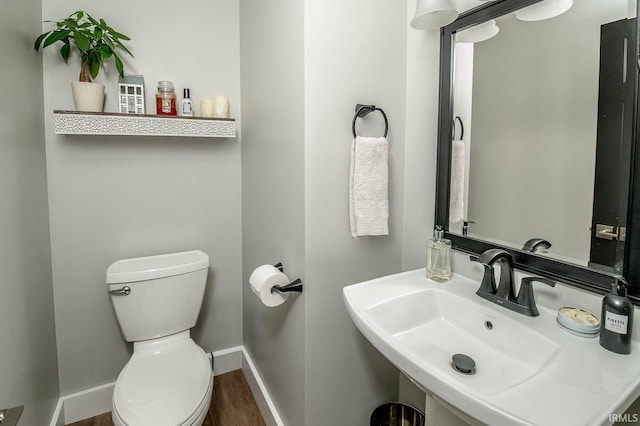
(165, 296)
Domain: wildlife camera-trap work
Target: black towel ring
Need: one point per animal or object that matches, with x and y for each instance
(363, 110)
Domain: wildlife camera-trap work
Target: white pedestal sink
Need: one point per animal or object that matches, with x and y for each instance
(528, 371)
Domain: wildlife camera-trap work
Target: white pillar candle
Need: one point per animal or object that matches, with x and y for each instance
(221, 107)
(206, 108)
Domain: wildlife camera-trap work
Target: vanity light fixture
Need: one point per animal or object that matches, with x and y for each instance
(478, 33)
(544, 10)
(433, 14)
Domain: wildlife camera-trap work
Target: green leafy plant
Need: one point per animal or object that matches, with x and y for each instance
(96, 41)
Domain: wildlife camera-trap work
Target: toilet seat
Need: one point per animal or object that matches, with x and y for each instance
(166, 383)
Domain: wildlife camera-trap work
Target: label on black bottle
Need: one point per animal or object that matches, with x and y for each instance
(616, 323)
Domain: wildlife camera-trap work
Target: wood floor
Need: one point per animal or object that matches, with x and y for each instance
(232, 404)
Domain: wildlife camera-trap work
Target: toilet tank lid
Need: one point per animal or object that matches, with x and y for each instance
(152, 267)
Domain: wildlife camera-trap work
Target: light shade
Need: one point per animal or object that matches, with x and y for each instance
(544, 10)
(478, 33)
(432, 14)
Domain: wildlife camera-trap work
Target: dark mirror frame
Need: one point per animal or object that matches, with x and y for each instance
(579, 276)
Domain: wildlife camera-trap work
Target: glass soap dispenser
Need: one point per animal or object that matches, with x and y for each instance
(439, 256)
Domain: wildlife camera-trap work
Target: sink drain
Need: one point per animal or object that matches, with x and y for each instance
(463, 364)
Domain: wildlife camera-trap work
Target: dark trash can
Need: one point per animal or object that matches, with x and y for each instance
(396, 414)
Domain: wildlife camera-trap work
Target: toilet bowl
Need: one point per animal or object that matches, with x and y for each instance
(168, 381)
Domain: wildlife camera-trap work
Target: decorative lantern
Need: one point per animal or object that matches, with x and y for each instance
(131, 94)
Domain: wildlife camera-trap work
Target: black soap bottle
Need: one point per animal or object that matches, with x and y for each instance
(616, 322)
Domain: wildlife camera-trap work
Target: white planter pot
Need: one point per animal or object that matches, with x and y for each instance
(88, 96)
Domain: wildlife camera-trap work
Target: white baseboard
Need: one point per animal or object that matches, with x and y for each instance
(88, 403)
(95, 401)
(259, 391)
(58, 414)
(226, 360)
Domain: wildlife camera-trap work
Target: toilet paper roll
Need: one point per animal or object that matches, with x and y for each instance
(262, 281)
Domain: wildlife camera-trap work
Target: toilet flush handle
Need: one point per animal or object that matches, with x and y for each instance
(124, 291)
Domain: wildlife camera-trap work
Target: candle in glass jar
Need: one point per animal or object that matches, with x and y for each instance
(166, 99)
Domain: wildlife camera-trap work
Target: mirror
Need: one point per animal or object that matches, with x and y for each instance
(545, 111)
(536, 136)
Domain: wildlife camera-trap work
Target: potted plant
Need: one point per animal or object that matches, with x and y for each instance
(96, 42)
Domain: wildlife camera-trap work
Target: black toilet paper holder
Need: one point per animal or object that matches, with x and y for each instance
(294, 286)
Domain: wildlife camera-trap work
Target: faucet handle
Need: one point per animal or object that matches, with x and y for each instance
(487, 259)
(535, 244)
(526, 297)
(503, 258)
(488, 284)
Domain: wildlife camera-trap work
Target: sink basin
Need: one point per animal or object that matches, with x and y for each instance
(527, 370)
(433, 325)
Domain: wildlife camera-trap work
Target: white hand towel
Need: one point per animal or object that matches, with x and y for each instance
(368, 187)
(458, 162)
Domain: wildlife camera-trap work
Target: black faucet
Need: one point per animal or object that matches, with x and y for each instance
(535, 244)
(504, 293)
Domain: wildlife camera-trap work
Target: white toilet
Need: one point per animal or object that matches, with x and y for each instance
(168, 380)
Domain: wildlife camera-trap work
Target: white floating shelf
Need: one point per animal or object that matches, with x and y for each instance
(116, 124)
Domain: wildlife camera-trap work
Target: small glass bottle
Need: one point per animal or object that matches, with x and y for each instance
(186, 107)
(439, 257)
(166, 99)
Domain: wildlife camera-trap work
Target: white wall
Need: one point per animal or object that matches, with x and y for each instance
(423, 53)
(28, 368)
(273, 194)
(355, 52)
(300, 86)
(118, 197)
